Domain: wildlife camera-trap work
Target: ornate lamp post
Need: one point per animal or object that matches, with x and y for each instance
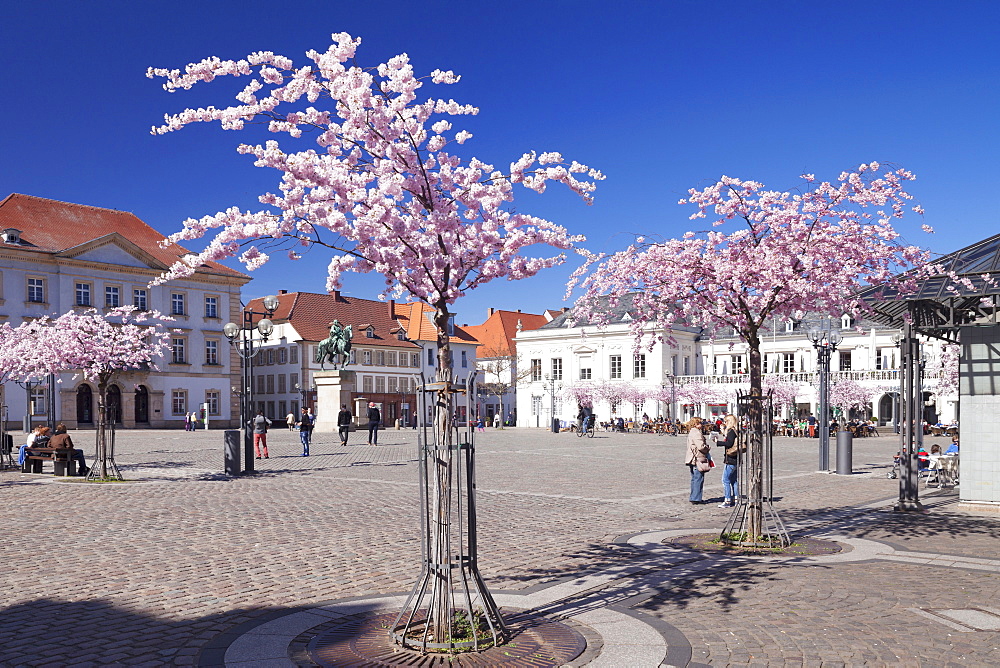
(910, 418)
(673, 394)
(825, 343)
(241, 337)
(305, 391)
(551, 382)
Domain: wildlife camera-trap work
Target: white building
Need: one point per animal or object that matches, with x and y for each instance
(560, 357)
(56, 257)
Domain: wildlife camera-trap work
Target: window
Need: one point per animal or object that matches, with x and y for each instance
(293, 380)
(738, 364)
(536, 370)
(211, 351)
(366, 357)
(465, 360)
(380, 357)
(379, 384)
(404, 384)
(390, 358)
(270, 384)
(36, 290)
(281, 408)
(585, 373)
(37, 400)
(616, 366)
(178, 402)
(846, 321)
(293, 355)
(451, 325)
(673, 365)
(401, 335)
(557, 369)
(367, 384)
(414, 360)
(83, 294)
(212, 399)
(353, 357)
(430, 357)
(370, 332)
(639, 366)
(787, 362)
(260, 384)
(392, 384)
(112, 296)
(211, 307)
(177, 355)
(282, 387)
(177, 303)
(282, 356)
(687, 365)
(845, 360)
(270, 356)
(789, 325)
(139, 299)
(295, 408)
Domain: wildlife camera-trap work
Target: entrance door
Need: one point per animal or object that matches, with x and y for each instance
(114, 398)
(84, 405)
(141, 404)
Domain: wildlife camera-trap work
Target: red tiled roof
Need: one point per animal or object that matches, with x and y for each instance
(497, 333)
(311, 313)
(50, 226)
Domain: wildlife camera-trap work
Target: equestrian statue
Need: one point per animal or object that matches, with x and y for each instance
(335, 348)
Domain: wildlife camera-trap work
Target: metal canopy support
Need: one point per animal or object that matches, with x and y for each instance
(911, 414)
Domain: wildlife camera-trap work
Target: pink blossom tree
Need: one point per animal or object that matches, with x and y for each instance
(846, 394)
(372, 174)
(101, 345)
(945, 368)
(783, 391)
(790, 253)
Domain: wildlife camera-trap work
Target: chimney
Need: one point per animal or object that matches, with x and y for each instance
(518, 310)
(490, 311)
(392, 309)
(335, 294)
(282, 292)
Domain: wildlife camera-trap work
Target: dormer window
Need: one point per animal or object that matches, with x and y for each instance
(451, 325)
(789, 325)
(11, 236)
(846, 321)
(370, 332)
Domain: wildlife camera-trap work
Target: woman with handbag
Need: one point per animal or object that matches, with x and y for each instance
(697, 459)
(730, 484)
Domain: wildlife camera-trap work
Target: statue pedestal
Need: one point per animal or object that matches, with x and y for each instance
(333, 388)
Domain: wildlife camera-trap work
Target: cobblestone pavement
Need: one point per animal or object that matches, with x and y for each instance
(149, 572)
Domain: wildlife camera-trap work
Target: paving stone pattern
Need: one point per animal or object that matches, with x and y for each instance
(149, 572)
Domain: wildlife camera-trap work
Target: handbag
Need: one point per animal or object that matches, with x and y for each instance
(704, 466)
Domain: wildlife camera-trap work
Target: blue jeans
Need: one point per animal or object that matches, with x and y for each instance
(697, 483)
(730, 485)
(305, 436)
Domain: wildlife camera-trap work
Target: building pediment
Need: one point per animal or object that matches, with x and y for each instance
(113, 249)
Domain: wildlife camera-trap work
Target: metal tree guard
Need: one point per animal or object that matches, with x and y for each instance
(753, 505)
(449, 608)
(104, 466)
(911, 402)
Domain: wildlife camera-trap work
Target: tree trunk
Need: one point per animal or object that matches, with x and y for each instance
(441, 552)
(755, 447)
(102, 421)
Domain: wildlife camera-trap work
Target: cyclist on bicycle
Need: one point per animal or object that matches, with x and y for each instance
(583, 418)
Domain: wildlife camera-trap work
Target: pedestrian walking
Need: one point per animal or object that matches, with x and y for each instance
(697, 459)
(344, 418)
(374, 420)
(305, 425)
(290, 420)
(731, 459)
(480, 425)
(496, 420)
(260, 425)
(187, 421)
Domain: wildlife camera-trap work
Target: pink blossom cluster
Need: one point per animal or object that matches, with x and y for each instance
(847, 394)
(783, 391)
(95, 344)
(945, 367)
(378, 183)
(768, 254)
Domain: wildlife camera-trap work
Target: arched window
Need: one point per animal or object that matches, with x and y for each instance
(141, 404)
(84, 405)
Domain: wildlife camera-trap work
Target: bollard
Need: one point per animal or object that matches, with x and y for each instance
(845, 447)
(555, 425)
(231, 451)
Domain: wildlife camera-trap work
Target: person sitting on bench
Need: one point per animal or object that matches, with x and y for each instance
(39, 438)
(62, 440)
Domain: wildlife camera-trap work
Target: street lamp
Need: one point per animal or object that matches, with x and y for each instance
(673, 395)
(551, 382)
(304, 390)
(825, 343)
(241, 338)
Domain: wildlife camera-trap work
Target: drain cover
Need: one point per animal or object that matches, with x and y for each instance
(363, 640)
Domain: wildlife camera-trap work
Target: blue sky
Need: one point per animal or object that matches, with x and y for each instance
(661, 96)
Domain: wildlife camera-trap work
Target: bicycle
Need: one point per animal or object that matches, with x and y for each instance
(587, 429)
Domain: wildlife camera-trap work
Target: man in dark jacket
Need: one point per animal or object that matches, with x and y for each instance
(344, 418)
(374, 420)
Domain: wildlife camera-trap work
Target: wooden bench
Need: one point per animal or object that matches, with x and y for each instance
(62, 460)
